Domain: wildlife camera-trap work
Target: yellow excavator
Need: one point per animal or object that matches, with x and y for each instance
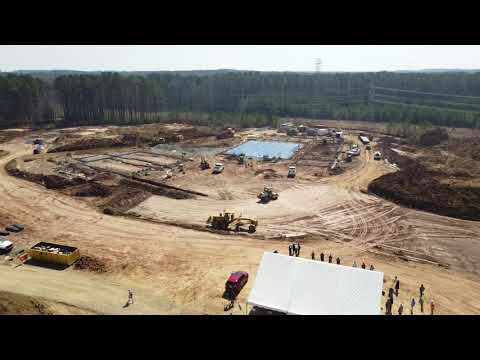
(227, 221)
(204, 165)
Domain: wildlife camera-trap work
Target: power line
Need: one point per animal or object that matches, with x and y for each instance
(427, 93)
(436, 101)
(422, 106)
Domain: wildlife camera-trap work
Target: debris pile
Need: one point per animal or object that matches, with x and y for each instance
(90, 263)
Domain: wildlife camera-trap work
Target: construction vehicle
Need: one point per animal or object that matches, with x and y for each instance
(267, 194)
(5, 246)
(39, 149)
(292, 171)
(241, 159)
(218, 168)
(227, 221)
(204, 164)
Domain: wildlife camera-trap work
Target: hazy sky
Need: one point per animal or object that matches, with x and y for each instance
(241, 57)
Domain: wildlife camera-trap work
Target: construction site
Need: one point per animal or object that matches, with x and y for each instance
(170, 210)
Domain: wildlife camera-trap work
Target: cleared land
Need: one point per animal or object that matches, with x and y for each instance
(174, 268)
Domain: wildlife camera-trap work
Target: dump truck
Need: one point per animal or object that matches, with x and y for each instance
(267, 194)
(204, 164)
(54, 253)
(227, 221)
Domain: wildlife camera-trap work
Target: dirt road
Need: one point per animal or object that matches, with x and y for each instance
(177, 270)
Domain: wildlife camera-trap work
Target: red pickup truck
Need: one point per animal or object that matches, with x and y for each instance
(236, 282)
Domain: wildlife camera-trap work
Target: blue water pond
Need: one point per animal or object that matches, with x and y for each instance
(272, 149)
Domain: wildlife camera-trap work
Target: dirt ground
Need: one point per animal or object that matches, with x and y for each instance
(174, 269)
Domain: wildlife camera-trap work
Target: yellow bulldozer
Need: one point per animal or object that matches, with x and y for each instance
(227, 221)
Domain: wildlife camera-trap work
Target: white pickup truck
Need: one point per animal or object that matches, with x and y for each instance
(5, 246)
(292, 171)
(218, 168)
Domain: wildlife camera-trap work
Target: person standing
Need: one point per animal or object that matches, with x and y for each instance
(338, 260)
(412, 305)
(394, 281)
(397, 287)
(371, 267)
(330, 257)
(422, 290)
(363, 265)
(388, 306)
(313, 255)
(354, 263)
(294, 250)
(432, 307)
(420, 301)
(130, 297)
(400, 309)
(290, 250)
(322, 256)
(298, 249)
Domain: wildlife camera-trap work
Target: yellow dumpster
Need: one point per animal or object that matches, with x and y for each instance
(54, 253)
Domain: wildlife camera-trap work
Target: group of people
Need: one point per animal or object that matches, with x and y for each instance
(337, 260)
(294, 249)
(421, 302)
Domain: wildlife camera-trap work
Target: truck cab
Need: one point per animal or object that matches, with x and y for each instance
(5, 246)
(235, 283)
(292, 171)
(218, 168)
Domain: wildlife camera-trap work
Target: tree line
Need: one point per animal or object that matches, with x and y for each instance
(238, 98)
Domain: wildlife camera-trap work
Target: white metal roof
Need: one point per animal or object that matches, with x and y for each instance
(309, 287)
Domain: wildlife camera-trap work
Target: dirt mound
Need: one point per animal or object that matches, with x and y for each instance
(268, 173)
(87, 143)
(433, 137)
(158, 189)
(17, 304)
(59, 182)
(125, 199)
(93, 189)
(90, 263)
(419, 188)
